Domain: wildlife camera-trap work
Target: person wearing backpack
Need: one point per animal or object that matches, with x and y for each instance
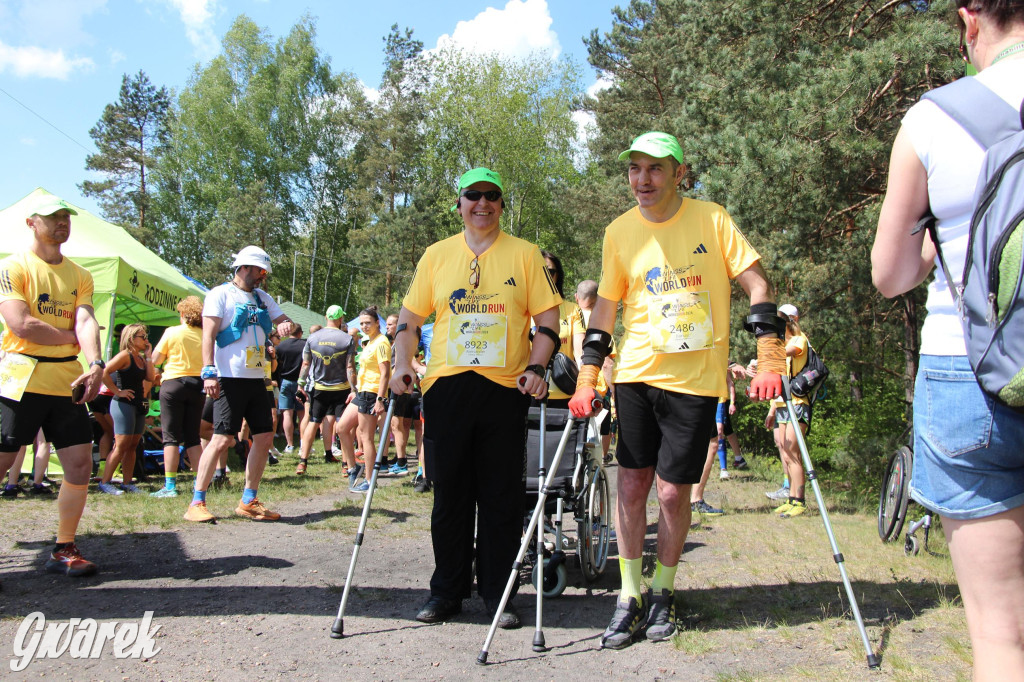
(784, 423)
(968, 453)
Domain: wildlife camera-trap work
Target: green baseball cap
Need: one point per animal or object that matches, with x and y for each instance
(658, 145)
(480, 175)
(334, 313)
(49, 204)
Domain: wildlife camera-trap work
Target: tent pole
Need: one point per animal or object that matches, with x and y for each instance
(295, 255)
(110, 324)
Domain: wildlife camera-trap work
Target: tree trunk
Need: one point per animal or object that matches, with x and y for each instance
(911, 347)
(856, 392)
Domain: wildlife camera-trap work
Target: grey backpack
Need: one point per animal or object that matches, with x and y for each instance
(989, 295)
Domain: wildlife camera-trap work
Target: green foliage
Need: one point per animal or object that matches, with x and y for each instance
(130, 136)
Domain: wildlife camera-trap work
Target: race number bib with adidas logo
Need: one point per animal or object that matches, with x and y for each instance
(680, 322)
(477, 340)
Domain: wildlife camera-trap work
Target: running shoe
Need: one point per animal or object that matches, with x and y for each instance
(131, 488)
(795, 509)
(39, 490)
(398, 470)
(220, 480)
(702, 507)
(165, 492)
(625, 626)
(256, 511)
(509, 618)
(723, 475)
(782, 508)
(363, 487)
(661, 623)
(109, 488)
(272, 456)
(198, 512)
(301, 468)
(69, 561)
(780, 494)
(10, 492)
(422, 485)
(353, 475)
(289, 449)
(739, 463)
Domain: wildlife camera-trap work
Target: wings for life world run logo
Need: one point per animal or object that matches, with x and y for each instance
(48, 306)
(463, 302)
(664, 279)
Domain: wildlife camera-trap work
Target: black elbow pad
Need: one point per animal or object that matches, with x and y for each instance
(597, 344)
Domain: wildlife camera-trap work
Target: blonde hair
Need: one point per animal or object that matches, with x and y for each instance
(191, 310)
(129, 331)
(792, 326)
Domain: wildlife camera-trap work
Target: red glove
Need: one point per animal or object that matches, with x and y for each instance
(584, 401)
(765, 386)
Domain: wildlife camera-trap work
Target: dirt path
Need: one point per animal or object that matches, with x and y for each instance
(243, 600)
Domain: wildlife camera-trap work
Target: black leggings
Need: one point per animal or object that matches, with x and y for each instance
(181, 409)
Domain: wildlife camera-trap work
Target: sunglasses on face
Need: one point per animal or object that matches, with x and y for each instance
(475, 194)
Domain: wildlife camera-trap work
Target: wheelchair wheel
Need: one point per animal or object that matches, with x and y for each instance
(554, 580)
(594, 531)
(892, 505)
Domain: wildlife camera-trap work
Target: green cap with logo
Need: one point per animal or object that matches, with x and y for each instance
(49, 204)
(658, 145)
(334, 313)
(480, 175)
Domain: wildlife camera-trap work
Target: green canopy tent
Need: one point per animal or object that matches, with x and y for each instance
(304, 316)
(132, 284)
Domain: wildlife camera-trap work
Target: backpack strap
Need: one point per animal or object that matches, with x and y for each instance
(977, 109)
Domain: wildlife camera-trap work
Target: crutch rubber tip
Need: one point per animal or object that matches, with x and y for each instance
(338, 629)
(482, 658)
(874, 662)
(538, 642)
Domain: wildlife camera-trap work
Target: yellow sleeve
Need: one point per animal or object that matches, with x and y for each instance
(419, 299)
(542, 294)
(12, 281)
(613, 284)
(737, 252)
(85, 288)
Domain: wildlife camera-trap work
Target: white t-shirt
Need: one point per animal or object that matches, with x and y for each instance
(952, 160)
(231, 359)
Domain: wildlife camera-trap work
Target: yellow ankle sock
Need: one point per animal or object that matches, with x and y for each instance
(630, 570)
(664, 578)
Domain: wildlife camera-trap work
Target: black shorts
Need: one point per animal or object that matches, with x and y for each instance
(181, 408)
(364, 401)
(208, 409)
(63, 422)
(242, 399)
(101, 405)
(606, 424)
(664, 430)
(407, 405)
(803, 414)
(327, 403)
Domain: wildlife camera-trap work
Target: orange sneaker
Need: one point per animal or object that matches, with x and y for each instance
(256, 511)
(199, 513)
(301, 468)
(69, 561)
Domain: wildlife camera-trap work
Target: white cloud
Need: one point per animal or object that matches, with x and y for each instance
(522, 28)
(371, 94)
(31, 61)
(116, 56)
(45, 22)
(197, 15)
(28, 141)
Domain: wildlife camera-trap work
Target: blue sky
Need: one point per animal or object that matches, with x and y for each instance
(64, 59)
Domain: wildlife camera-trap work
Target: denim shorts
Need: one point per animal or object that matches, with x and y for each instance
(968, 449)
(286, 396)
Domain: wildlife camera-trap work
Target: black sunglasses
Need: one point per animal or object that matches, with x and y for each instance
(475, 194)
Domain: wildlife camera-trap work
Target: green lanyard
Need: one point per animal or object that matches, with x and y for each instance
(1011, 50)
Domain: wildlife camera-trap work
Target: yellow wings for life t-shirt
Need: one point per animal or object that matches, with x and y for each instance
(484, 329)
(53, 294)
(673, 281)
(182, 346)
(376, 352)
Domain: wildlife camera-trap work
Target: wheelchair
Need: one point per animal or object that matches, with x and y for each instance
(580, 489)
(893, 502)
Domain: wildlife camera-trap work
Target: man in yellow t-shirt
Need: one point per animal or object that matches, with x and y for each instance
(669, 260)
(46, 304)
(484, 286)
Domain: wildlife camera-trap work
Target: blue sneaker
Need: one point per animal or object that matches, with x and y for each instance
(398, 470)
(165, 492)
(363, 487)
(131, 488)
(109, 489)
(353, 476)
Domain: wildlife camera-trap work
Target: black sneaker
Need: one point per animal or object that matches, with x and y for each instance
(661, 623)
(39, 490)
(271, 459)
(627, 621)
(10, 492)
(219, 481)
(439, 609)
(422, 485)
(330, 458)
(509, 619)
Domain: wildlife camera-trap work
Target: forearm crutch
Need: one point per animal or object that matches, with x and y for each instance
(338, 629)
(538, 513)
(873, 660)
